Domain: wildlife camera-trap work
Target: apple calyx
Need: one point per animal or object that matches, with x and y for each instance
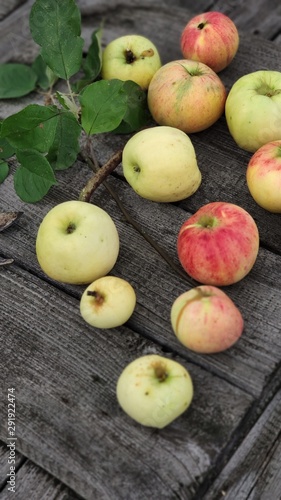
(160, 371)
(70, 228)
(99, 298)
(129, 56)
(266, 90)
(201, 25)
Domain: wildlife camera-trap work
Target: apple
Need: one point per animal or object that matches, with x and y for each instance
(212, 38)
(108, 302)
(187, 95)
(206, 320)
(77, 242)
(263, 176)
(160, 164)
(130, 57)
(218, 245)
(154, 390)
(253, 109)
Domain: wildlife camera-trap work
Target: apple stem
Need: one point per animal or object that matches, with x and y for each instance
(98, 296)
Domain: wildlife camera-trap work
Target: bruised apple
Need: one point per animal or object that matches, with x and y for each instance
(130, 57)
(154, 390)
(218, 245)
(108, 302)
(187, 95)
(206, 320)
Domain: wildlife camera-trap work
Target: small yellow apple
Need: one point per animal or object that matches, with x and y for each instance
(108, 302)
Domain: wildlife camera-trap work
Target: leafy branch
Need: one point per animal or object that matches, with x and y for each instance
(46, 138)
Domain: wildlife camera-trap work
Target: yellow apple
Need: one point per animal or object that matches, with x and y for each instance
(263, 176)
(130, 57)
(160, 164)
(108, 302)
(154, 390)
(77, 242)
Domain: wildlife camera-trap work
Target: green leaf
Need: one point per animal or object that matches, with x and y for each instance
(103, 106)
(33, 127)
(65, 147)
(16, 80)
(6, 150)
(45, 76)
(91, 64)
(4, 171)
(34, 177)
(137, 114)
(55, 25)
(68, 103)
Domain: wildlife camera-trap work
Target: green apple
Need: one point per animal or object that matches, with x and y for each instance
(130, 57)
(206, 320)
(77, 242)
(253, 109)
(154, 390)
(108, 302)
(160, 164)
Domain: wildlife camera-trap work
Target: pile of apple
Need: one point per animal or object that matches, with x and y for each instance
(77, 242)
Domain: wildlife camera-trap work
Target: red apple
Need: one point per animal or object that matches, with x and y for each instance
(212, 38)
(206, 320)
(263, 176)
(219, 244)
(187, 95)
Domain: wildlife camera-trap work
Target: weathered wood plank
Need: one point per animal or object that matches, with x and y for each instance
(76, 431)
(250, 362)
(8, 6)
(31, 481)
(254, 470)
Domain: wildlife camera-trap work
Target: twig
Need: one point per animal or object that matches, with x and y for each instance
(99, 175)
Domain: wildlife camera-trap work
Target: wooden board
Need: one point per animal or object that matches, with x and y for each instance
(69, 425)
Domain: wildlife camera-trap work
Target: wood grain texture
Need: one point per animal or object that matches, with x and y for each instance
(77, 431)
(68, 420)
(254, 470)
(35, 483)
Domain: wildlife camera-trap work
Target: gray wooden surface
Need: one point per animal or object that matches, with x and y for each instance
(73, 441)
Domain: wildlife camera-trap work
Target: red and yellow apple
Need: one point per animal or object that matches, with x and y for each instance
(160, 164)
(206, 320)
(154, 390)
(263, 176)
(108, 302)
(211, 38)
(187, 95)
(130, 57)
(218, 245)
(77, 242)
(253, 109)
